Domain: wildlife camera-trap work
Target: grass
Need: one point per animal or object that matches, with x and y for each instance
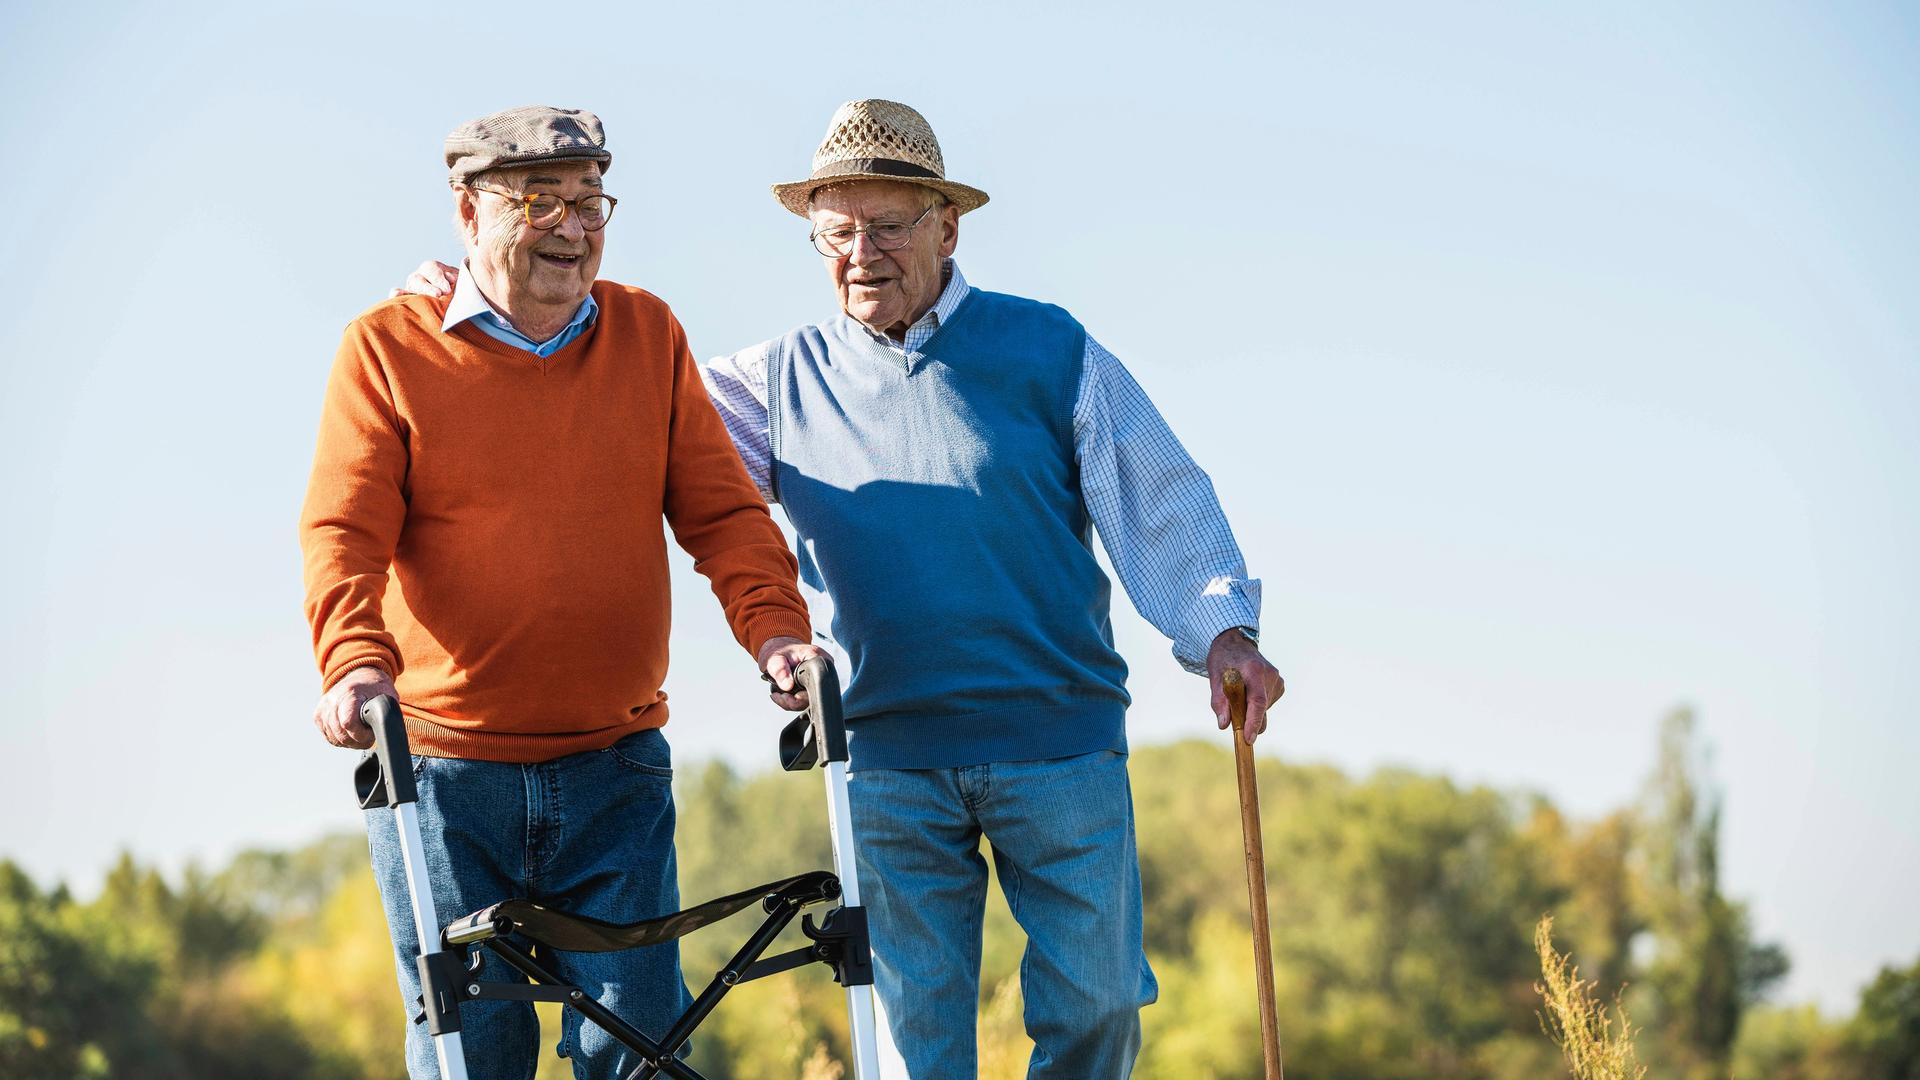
(1596, 1041)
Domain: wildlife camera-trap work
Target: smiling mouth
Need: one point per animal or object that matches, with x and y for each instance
(565, 262)
(870, 285)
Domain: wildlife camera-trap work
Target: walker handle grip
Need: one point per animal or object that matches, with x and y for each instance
(820, 734)
(386, 778)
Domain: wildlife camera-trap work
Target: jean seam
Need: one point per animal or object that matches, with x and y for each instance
(625, 762)
(664, 772)
(567, 1047)
(972, 781)
(556, 815)
(1012, 889)
(529, 839)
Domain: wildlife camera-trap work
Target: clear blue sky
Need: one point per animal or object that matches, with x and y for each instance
(1556, 367)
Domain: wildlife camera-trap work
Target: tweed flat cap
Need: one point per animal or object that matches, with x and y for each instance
(522, 136)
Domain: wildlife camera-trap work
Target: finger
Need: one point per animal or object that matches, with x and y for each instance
(354, 723)
(780, 670)
(439, 274)
(1256, 713)
(1219, 701)
(345, 719)
(329, 721)
(796, 702)
(395, 294)
(357, 732)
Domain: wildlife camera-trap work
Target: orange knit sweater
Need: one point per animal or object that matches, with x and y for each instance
(485, 525)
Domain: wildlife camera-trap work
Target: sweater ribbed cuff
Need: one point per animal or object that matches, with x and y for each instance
(346, 661)
(763, 630)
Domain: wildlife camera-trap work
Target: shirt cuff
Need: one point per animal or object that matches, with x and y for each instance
(1225, 604)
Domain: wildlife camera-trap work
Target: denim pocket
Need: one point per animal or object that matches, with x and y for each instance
(645, 752)
(419, 762)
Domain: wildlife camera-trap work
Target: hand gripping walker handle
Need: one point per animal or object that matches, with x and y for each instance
(386, 778)
(819, 735)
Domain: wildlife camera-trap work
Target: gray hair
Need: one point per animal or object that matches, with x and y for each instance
(937, 197)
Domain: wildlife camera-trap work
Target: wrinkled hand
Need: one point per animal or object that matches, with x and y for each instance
(432, 279)
(338, 714)
(779, 658)
(1264, 685)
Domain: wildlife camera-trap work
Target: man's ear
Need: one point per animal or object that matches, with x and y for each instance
(466, 212)
(949, 230)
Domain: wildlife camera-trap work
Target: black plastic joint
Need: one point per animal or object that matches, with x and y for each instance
(443, 982)
(842, 935)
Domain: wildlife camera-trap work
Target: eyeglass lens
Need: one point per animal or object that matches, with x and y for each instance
(546, 211)
(886, 235)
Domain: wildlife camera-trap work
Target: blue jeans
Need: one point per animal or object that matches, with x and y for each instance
(1062, 838)
(589, 833)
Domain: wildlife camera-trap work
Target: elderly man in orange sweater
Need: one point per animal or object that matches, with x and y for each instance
(483, 540)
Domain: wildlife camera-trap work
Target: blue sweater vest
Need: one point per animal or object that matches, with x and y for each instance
(943, 543)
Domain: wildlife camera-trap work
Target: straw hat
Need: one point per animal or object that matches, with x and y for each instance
(878, 140)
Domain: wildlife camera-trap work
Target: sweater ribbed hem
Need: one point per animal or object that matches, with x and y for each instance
(920, 741)
(427, 738)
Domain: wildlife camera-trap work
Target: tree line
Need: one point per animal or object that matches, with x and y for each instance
(1404, 909)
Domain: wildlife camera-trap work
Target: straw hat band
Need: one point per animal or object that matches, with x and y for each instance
(874, 167)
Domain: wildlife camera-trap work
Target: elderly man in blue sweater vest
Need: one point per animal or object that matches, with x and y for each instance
(945, 454)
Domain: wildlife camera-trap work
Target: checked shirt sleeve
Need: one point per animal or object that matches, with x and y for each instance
(738, 386)
(1157, 515)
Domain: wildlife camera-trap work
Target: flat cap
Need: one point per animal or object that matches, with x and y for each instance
(522, 136)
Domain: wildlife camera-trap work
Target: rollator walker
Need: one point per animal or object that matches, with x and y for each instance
(512, 929)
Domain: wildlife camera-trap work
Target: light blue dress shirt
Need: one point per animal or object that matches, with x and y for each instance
(469, 303)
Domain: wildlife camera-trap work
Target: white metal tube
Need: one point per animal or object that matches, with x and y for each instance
(863, 1032)
(861, 1026)
(426, 924)
(453, 1061)
(840, 820)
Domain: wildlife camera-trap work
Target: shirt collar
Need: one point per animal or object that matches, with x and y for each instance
(469, 302)
(951, 294)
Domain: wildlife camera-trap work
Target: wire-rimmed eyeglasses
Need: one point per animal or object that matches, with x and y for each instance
(837, 240)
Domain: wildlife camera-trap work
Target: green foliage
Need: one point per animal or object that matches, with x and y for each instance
(1886, 1033)
(73, 990)
(1794, 1044)
(1706, 969)
(1403, 909)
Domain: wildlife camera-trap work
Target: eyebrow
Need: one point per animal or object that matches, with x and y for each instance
(591, 181)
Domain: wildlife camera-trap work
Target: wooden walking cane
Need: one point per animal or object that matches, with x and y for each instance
(1236, 688)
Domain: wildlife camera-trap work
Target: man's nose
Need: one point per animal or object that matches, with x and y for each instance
(864, 251)
(570, 227)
